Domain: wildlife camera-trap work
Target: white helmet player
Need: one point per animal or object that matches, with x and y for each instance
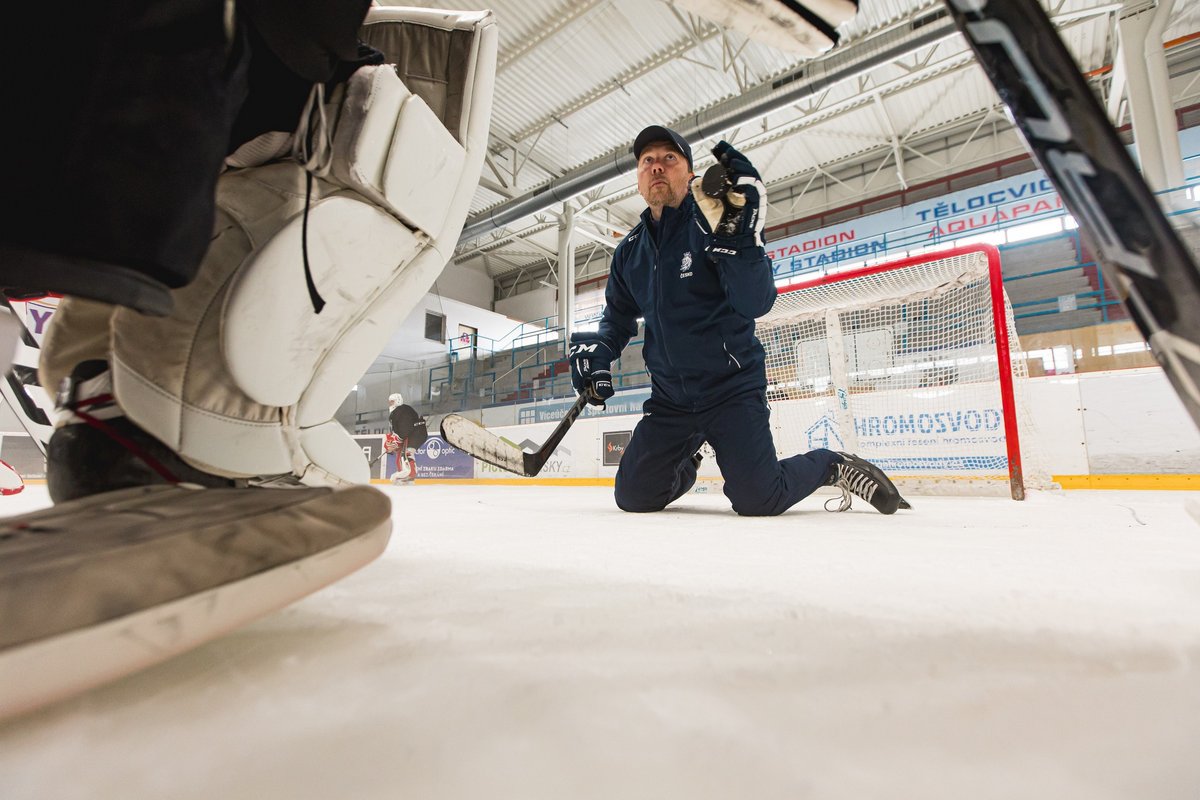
(395, 400)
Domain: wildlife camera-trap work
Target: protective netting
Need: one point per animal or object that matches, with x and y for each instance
(908, 365)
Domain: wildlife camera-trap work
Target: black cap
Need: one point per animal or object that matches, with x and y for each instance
(657, 133)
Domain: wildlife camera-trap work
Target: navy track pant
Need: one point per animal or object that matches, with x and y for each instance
(656, 468)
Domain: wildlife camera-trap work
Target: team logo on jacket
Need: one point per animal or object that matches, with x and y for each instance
(685, 266)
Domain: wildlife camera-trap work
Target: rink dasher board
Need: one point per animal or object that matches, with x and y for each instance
(101, 587)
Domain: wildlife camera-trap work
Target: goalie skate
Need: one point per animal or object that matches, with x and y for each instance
(406, 472)
(100, 587)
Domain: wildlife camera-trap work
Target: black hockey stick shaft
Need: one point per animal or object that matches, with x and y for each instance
(1071, 138)
(536, 460)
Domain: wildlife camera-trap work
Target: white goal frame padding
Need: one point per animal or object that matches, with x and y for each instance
(846, 344)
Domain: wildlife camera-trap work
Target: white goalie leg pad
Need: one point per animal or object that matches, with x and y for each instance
(244, 378)
(254, 395)
(170, 374)
(80, 331)
(776, 23)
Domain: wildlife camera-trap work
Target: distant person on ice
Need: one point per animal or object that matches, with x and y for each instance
(699, 293)
(408, 433)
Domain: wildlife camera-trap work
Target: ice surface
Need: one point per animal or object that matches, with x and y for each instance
(536, 642)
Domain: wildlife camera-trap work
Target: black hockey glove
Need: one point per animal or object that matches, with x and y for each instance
(591, 362)
(730, 197)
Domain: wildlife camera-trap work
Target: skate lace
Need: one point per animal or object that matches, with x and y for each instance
(78, 409)
(851, 482)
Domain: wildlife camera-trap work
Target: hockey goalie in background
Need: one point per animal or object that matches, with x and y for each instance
(409, 431)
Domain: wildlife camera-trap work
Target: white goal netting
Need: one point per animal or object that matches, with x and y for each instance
(914, 365)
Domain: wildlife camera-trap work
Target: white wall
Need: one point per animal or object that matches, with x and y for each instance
(1124, 422)
(532, 305)
(408, 342)
(1097, 423)
(466, 285)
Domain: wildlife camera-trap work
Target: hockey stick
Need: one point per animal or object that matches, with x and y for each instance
(484, 445)
(376, 459)
(1068, 134)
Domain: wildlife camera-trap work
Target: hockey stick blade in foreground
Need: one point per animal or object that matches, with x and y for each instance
(1070, 136)
(477, 441)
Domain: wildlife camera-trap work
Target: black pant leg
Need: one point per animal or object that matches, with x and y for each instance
(656, 468)
(757, 483)
(121, 121)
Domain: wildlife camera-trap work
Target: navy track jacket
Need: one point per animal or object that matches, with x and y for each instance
(700, 346)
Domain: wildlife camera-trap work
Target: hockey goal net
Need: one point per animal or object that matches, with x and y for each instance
(914, 365)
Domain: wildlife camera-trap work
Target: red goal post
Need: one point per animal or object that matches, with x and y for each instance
(913, 364)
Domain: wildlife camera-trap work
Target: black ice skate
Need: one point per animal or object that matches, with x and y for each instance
(98, 449)
(857, 476)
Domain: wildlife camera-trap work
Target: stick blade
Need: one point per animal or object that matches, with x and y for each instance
(807, 29)
(475, 440)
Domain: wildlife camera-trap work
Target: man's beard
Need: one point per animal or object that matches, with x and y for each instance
(660, 194)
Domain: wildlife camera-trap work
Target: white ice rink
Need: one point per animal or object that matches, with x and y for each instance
(535, 642)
